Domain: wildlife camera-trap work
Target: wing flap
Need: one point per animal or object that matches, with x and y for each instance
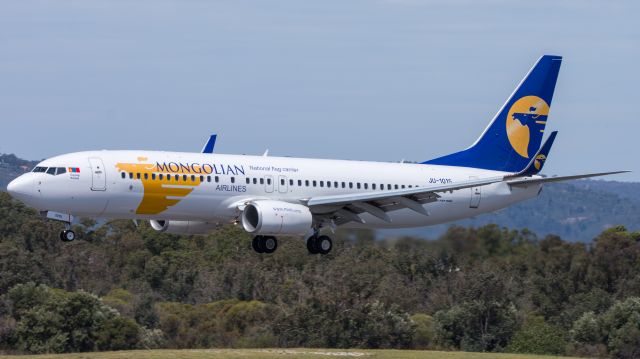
(526, 181)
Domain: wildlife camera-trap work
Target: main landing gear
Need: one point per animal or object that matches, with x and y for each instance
(319, 244)
(264, 244)
(316, 244)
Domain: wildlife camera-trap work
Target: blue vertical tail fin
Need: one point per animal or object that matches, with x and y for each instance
(514, 135)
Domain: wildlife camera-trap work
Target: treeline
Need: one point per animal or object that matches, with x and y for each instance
(475, 289)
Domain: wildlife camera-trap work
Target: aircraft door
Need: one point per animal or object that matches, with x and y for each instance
(282, 184)
(98, 175)
(268, 183)
(476, 195)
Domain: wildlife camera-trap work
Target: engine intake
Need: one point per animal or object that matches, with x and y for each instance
(276, 217)
(182, 227)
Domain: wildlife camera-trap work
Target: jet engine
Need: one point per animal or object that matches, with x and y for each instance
(182, 227)
(276, 217)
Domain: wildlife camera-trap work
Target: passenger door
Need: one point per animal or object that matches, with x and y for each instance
(476, 195)
(98, 175)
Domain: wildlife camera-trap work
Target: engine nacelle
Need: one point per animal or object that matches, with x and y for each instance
(182, 227)
(276, 217)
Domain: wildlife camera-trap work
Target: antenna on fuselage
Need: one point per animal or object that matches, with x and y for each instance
(266, 153)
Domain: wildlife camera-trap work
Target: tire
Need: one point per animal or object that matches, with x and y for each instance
(255, 244)
(269, 244)
(324, 244)
(311, 245)
(67, 235)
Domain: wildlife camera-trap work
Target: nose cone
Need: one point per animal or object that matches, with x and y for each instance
(21, 188)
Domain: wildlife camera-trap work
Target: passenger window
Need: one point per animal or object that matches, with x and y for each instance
(51, 171)
(388, 186)
(62, 170)
(138, 175)
(335, 184)
(281, 182)
(366, 185)
(350, 184)
(268, 180)
(130, 175)
(410, 186)
(329, 184)
(146, 176)
(161, 177)
(248, 180)
(403, 187)
(193, 178)
(176, 177)
(208, 178)
(217, 179)
(201, 179)
(358, 185)
(290, 182)
(255, 181)
(123, 175)
(314, 183)
(261, 180)
(299, 183)
(373, 186)
(321, 183)
(306, 183)
(153, 176)
(343, 185)
(396, 186)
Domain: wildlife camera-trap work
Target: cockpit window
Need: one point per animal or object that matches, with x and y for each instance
(40, 169)
(61, 170)
(51, 171)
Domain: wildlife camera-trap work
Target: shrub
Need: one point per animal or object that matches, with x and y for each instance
(538, 337)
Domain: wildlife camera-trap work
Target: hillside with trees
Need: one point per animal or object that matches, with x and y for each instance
(475, 289)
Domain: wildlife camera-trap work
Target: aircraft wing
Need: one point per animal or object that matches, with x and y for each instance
(525, 181)
(348, 207)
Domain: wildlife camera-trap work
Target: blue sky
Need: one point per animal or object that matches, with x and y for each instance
(369, 80)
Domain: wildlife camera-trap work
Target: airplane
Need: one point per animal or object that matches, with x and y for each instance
(270, 197)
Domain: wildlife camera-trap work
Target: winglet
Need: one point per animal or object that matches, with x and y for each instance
(537, 162)
(208, 147)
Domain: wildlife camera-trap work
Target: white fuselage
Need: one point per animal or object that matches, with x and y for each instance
(210, 187)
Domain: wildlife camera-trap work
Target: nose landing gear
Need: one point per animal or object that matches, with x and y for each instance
(67, 235)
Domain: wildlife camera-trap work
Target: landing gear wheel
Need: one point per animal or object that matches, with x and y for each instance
(323, 244)
(255, 244)
(67, 235)
(264, 244)
(269, 244)
(311, 245)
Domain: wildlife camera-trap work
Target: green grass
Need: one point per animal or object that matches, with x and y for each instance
(280, 353)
